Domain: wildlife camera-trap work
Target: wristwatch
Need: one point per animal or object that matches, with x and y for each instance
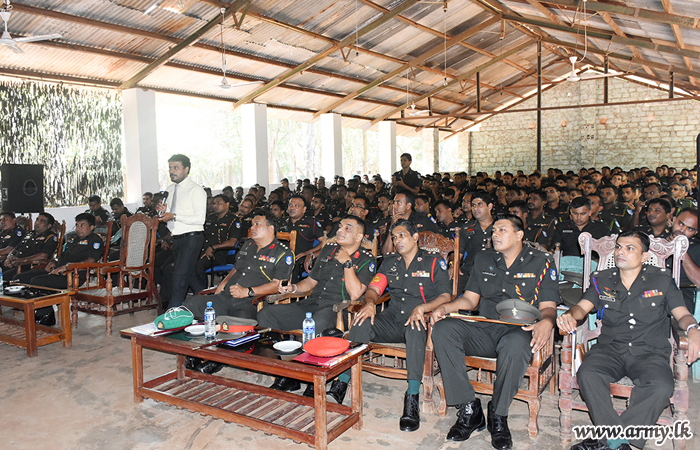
(251, 292)
(347, 264)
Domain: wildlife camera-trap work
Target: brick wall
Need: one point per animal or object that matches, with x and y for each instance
(626, 136)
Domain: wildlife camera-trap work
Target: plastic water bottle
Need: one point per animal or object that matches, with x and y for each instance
(209, 323)
(2, 285)
(308, 328)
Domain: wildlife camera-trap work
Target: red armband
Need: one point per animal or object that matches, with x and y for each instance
(380, 282)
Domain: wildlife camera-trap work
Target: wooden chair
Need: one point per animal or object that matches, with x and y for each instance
(135, 290)
(659, 251)
(539, 375)
(291, 237)
(376, 360)
(25, 222)
(338, 308)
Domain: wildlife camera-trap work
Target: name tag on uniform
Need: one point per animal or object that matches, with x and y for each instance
(420, 274)
(524, 275)
(606, 298)
(567, 231)
(654, 293)
(488, 273)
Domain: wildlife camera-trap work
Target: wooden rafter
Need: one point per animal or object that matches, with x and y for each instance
(618, 31)
(344, 43)
(464, 76)
(679, 37)
(415, 61)
(191, 39)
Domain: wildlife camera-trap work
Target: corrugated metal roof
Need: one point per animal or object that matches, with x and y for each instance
(113, 40)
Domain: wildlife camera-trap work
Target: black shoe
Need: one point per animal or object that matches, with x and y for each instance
(410, 420)
(624, 447)
(191, 363)
(498, 427)
(338, 390)
(45, 316)
(470, 417)
(594, 444)
(209, 367)
(286, 384)
(309, 391)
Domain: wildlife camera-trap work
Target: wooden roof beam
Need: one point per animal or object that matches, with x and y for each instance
(189, 40)
(439, 34)
(638, 13)
(414, 62)
(679, 38)
(152, 35)
(384, 18)
(618, 31)
(465, 76)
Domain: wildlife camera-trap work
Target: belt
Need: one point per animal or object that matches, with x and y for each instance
(191, 233)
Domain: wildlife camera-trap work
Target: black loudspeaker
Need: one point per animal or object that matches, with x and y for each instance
(22, 187)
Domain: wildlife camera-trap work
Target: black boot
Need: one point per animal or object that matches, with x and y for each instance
(593, 444)
(338, 390)
(45, 316)
(209, 367)
(285, 384)
(410, 420)
(470, 417)
(309, 391)
(498, 427)
(191, 362)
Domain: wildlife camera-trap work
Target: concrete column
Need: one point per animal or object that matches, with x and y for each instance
(254, 137)
(464, 152)
(431, 151)
(387, 148)
(331, 146)
(140, 144)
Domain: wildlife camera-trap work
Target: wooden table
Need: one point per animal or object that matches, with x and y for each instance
(315, 422)
(27, 333)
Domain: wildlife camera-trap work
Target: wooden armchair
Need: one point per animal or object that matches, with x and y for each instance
(569, 399)
(290, 237)
(133, 272)
(538, 376)
(376, 360)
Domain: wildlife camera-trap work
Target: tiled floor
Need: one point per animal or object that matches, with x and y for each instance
(81, 398)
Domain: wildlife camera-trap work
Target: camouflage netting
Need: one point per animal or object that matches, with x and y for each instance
(76, 133)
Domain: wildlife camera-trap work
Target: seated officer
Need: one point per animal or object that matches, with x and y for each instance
(37, 245)
(634, 303)
(10, 235)
(566, 233)
(86, 247)
(659, 213)
(308, 230)
(506, 271)
(221, 233)
(418, 282)
(261, 264)
(342, 271)
(404, 203)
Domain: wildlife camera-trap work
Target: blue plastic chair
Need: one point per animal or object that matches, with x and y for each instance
(217, 270)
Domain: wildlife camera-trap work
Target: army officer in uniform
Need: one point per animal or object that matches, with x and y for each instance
(506, 271)
(634, 303)
(418, 283)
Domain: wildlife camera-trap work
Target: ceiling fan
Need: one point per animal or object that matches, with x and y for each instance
(11, 43)
(417, 112)
(224, 82)
(576, 77)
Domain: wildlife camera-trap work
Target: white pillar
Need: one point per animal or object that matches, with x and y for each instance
(464, 152)
(431, 151)
(331, 145)
(254, 137)
(387, 148)
(140, 144)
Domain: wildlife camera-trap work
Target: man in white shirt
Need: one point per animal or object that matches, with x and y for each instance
(185, 214)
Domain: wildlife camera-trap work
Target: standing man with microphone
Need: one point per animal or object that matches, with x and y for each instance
(185, 215)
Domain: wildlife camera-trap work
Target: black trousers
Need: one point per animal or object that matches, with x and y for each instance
(185, 253)
(389, 328)
(653, 386)
(223, 303)
(290, 316)
(40, 277)
(453, 339)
